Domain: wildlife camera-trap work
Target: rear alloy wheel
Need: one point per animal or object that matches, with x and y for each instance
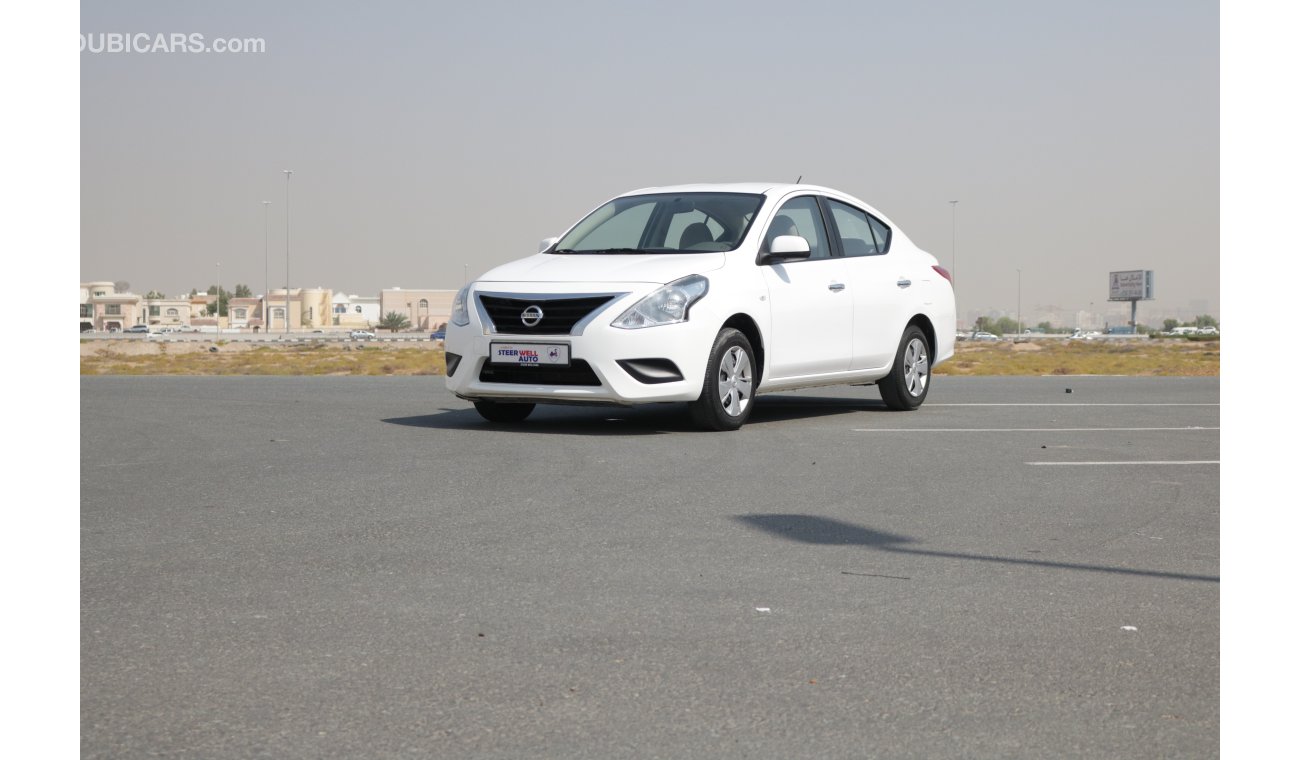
(907, 383)
(497, 411)
(729, 383)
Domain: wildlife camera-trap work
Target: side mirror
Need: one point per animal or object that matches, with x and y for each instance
(787, 247)
(546, 243)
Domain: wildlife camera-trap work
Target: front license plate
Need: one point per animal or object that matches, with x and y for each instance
(534, 354)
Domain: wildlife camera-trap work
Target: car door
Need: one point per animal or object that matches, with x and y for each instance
(882, 286)
(811, 308)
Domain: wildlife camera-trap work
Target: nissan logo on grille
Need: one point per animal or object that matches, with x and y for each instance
(531, 316)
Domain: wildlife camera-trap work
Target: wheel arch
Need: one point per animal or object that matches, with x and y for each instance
(927, 327)
(749, 328)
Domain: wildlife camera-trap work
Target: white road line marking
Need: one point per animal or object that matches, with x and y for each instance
(1027, 430)
(1069, 404)
(1109, 464)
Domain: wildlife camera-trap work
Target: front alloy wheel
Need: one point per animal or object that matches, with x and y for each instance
(729, 382)
(735, 381)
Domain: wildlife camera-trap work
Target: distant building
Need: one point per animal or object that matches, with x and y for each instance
(309, 309)
(426, 309)
(316, 308)
(355, 311)
(168, 312)
(199, 303)
(244, 314)
(103, 308)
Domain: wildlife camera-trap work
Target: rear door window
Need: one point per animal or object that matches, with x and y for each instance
(861, 234)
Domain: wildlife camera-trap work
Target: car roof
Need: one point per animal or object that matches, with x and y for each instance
(757, 188)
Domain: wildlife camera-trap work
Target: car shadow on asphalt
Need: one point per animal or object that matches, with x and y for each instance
(810, 529)
(650, 419)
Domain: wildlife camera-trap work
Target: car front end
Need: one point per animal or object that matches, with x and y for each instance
(620, 309)
(591, 342)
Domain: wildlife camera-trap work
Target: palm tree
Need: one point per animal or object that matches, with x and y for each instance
(394, 321)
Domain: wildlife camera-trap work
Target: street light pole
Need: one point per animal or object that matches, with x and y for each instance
(1020, 325)
(266, 265)
(287, 174)
(954, 252)
(954, 239)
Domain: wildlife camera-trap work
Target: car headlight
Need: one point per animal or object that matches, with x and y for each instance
(460, 307)
(666, 306)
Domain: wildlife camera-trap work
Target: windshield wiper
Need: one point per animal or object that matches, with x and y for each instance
(607, 251)
(595, 251)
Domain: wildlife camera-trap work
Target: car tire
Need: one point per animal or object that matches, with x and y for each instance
(496, 411)
(908, 382)
(730, 379)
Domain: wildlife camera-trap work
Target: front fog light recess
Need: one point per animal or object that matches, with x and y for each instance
(666, 306)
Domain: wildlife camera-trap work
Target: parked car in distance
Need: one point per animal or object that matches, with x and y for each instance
(709, 295)
(981, 335)
(438, 335)
(138, 329)
(361, 335)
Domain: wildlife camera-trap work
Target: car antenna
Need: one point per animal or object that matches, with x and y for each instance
(799, 180)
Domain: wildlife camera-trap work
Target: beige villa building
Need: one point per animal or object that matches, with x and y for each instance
(426, 309)
(104, 309)
(308, 309)
(168, 312)
(244, 314)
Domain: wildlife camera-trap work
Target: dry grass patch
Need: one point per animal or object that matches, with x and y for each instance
(1139, 358)
(239, 358)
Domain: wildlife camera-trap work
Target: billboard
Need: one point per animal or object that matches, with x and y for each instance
(1134, 285)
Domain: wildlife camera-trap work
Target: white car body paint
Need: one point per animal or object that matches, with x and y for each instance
(819, 322)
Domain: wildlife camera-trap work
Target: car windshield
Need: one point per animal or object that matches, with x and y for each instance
(664, 223)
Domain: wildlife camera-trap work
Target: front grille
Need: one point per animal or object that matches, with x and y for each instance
(559, 315)
(577, 373)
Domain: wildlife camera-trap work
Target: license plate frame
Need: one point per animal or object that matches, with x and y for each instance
(512, 354)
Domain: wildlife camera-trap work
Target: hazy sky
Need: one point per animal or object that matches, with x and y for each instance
(1079, 137)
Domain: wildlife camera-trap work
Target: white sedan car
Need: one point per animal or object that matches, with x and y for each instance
(707, 294)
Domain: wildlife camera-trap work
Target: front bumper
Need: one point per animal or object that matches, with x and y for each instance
(601, 347)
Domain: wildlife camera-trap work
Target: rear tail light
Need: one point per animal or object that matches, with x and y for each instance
(943, 272)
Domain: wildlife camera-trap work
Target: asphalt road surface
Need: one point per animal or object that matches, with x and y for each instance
(361, 568)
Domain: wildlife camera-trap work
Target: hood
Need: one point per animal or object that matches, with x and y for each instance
(651, 268)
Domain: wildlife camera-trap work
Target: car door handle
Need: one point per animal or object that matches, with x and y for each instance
(904, 283)
(836, 286)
